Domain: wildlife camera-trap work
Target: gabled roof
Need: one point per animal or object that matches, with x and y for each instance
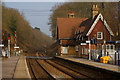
(94, 22)
(87, 24)
(66, 26)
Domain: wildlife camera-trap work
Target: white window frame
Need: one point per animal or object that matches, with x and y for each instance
(101, 35)
(64, 50)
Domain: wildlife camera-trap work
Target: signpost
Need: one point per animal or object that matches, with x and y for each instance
(83, 44)
(1, 45)
(16, 47)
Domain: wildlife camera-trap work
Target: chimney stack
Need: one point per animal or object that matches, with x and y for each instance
(95, 10)
(71, 14)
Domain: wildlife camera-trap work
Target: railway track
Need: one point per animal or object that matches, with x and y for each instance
(59, 69)
(68, 71)
(37, 72)
(74, 74)
(40, 69)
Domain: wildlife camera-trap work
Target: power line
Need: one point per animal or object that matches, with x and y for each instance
(39, 15)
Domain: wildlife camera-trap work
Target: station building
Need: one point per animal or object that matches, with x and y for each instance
(72, 34)
(65, 33)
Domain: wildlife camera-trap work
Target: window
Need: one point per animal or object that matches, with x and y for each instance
(107, 46)
(64, 50)
(99, 35)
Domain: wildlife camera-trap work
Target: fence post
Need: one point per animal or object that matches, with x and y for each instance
(101, 53)
(115, 58)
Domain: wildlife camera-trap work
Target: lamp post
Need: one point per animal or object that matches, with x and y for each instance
(104, 42)
(1, 45)
(8, 47)
(89, 49)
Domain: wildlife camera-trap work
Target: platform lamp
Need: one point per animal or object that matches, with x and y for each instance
(1, 45)
(89, 49)
(104, 42)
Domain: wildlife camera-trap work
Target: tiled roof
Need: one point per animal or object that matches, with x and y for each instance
(87, 24)
(66, 26)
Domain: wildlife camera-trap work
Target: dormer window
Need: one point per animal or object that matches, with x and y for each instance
(99, 35)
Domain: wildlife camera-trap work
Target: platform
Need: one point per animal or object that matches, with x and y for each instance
(22, 69)
(8, 66)
(108, 67)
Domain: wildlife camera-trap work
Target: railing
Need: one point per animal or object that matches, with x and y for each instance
(117, 57)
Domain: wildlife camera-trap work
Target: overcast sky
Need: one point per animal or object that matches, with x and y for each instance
(36, 13)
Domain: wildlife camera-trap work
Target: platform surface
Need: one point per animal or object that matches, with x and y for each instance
(22, 69)
(8, 66)
(108, 67)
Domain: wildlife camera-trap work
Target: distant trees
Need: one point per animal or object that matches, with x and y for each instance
(28, 38)
(13, 24)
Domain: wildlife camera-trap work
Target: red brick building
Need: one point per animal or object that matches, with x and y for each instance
(93, 29)
(65, 33)
(71, 32)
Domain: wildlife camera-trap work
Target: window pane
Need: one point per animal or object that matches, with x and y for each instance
(99, 35)
(111, 46)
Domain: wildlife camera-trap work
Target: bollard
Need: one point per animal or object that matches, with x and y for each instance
(115, 58)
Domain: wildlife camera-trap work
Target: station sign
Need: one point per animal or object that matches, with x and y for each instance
(1, 45)
(16, 47)
(87, 41)
(83, 44)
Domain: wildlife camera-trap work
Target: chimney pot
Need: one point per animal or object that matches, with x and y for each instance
(71, 14)
(95, 10)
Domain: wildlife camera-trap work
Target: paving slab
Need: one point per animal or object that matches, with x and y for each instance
(22, 69)
(8, 66)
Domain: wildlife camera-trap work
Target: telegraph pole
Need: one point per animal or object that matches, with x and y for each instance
(104, 42)
(119, 20)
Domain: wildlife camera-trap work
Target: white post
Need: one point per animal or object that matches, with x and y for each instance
(89, 52)
(89, 49)
(8, 48)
